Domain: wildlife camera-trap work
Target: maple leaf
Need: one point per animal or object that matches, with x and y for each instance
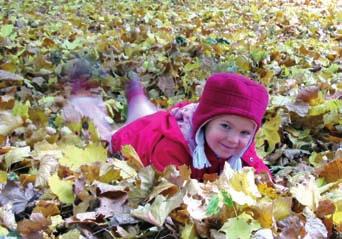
(240, 227)
(47, 167)
(240, 185)
(17, 196)
(132, 157)
(33, 226)
(62, 188)
(7, 217)
(157, 212)
(16, 155)
(305, 190)
(314, 226)
(9, 122)
(74, 157)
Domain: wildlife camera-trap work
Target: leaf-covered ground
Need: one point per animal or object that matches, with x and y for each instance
(57, 180)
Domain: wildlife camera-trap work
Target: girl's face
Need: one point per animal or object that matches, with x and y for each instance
(228, 135)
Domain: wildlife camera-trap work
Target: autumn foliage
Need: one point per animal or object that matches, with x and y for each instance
(57, 179)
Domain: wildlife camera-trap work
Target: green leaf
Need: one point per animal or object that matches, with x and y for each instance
(213, 205)
(62, 188)
(258, 55)
(188, 232)
(6, 30)
(329, 105)
(227, 199)
(74, 157)
(240, 227)
(3, 231)
(192, 66)
(21, 109)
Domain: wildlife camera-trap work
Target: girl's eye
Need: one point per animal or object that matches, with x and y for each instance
(245, 133)
(225, 126)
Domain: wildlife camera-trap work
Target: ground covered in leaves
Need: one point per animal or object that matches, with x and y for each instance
(57, 179)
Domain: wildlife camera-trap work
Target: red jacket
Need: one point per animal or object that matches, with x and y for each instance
(159, 141)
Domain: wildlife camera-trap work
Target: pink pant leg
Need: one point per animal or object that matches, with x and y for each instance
(138, 106)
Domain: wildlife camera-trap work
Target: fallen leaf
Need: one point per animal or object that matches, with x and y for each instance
(188, 232)
(240, 227)
(62, 189)
(47, 208)
(16, 155)
(7, 217)
(47, 167)
(240, 185)
(314, 227)
(282, 208)
(332, 171)
(36, 223)
(17, 196)
(9, 122)
(74, 157)
(291, 228)
(8, 76)
(264, 214)
(157, 212)
(325, 207)
(133, 159)
(263, 234)
(305, 190)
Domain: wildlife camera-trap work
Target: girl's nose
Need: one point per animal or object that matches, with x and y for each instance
(233, 138)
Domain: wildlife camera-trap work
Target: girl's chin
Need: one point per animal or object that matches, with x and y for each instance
(222, 155)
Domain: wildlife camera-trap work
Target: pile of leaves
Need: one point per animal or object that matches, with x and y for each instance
(57, 178)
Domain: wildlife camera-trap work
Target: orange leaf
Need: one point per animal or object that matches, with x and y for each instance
(332, 171)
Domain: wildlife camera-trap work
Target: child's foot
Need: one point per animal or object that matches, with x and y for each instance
(134, 87)
(138, 103)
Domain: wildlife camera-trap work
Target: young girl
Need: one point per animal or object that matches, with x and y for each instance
(219, 128)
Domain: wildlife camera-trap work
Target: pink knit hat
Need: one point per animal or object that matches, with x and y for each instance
(231, 93)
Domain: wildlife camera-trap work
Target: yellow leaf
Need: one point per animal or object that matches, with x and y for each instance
(16, 155)
(74, 157)
(126, 171)
(240, 185)
(305, 190)
(9, 122)
(282, 208)
(62, 188)
(267, 191)
(188, 232)
(132, 157)
(264, 214)
(337, 216)
(21, 109)
(269, 133)
(3, 177)
(3, 231)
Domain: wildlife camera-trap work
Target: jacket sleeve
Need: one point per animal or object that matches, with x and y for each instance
(168, 152)
(251, 158)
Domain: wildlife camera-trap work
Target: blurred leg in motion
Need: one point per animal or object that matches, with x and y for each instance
(93, 107)
(138, 103)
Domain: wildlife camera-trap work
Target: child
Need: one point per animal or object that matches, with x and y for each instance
(220, 127)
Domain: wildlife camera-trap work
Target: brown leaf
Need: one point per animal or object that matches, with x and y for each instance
(90, 172)
(308, 93)
(109, 207)
(325, 207)
(36, 223)
(9, 76)
(291, 228)
(26, 179)
(110, 191)
(131, 157)
(332, 171)
(167, 85)
(47, 208)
